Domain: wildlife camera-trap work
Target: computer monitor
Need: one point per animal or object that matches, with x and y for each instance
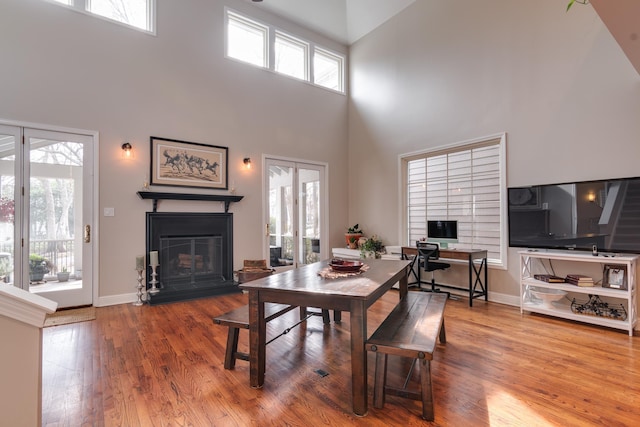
(442, 232)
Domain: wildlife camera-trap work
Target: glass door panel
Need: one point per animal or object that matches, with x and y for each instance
(294, 213)
(309, 215)
(10, 137)
(58, 228)
(281, 214)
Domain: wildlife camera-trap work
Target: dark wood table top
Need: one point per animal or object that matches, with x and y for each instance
(306, 280)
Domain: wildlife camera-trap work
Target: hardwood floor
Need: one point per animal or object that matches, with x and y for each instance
(163, 366)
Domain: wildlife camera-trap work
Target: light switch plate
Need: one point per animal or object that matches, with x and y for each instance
(109, 212)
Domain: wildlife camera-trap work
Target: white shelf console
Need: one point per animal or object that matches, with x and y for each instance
(533, 262)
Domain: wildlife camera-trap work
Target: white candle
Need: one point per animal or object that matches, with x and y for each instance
(153, 258)
(140, 262)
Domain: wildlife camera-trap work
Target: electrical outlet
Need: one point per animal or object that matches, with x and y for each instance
(109, 212)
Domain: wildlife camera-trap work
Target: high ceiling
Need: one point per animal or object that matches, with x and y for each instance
(345, 21)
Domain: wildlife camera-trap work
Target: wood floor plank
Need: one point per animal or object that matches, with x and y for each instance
(163, 366)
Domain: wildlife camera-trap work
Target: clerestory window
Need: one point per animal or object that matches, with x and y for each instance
(139, 14)
(260, 44)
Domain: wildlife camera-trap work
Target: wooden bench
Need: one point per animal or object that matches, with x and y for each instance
(410, 330)
(239, 319)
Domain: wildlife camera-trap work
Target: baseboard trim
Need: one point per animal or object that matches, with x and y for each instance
(116, 299)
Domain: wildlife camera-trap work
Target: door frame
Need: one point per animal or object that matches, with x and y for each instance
(94, 173)
(324, 220)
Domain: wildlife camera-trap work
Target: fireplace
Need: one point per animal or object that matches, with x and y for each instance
(195, 253)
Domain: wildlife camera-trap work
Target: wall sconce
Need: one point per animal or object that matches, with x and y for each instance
(591, 196)
(127, 151)
(247, 162)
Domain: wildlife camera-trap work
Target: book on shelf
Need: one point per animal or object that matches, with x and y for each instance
(579, 280)
(549, 278)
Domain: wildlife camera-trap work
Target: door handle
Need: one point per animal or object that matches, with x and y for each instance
(266, 233)
(87, 233)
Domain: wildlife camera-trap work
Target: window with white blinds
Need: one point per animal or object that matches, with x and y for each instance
(465, 184)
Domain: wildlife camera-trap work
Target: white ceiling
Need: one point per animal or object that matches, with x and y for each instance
(345, 21)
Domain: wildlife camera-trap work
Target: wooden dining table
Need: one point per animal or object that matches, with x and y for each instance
(305, 287)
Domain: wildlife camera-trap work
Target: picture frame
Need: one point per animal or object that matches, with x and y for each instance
(188, 164)
(524, 198)
(615, 276)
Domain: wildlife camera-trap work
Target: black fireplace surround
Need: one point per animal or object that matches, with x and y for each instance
(195, 253)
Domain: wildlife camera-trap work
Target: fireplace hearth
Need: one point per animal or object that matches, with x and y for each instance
(195, 252)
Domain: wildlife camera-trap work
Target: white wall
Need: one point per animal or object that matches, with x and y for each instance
(442, 72)
(65, 68)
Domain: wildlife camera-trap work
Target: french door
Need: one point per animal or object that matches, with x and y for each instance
(46, 213)
(295, 213)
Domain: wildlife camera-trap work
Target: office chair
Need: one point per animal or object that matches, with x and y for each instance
(428, 253)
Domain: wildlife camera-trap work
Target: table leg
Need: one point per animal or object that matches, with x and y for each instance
(358, 320)
(486, 279)
(403, 284)
(471, 285)
(257, 340)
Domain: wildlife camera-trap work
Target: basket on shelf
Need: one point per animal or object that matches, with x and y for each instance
(596, 307)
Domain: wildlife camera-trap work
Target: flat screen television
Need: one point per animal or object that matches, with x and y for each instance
(604, 214)
(442, 232)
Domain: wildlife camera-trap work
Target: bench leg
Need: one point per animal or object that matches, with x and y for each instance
(380, 380)
(325, 317)
(443, 335)
(337, 316)
(427, 394)
(232, 348)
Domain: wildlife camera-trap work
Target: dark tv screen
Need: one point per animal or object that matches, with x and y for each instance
(578, 215)
(442, 229)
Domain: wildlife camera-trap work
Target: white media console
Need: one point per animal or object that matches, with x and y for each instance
(615, 301)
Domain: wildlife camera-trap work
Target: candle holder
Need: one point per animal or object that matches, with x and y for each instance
(154, 282)
(140, 300)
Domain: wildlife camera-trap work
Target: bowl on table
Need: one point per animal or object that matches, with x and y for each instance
(345, 266)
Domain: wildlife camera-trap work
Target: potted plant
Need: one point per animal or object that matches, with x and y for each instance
(38, 267)
(63, 275)
(352, 236)
(372, 247)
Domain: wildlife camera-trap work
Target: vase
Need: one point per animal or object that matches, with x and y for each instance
(352, 239)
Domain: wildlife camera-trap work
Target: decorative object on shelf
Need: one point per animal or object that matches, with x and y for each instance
(548, 296)
(352, 236)
(615, 276)
(549, 278)
(372, 246)
(596, 307)
(579, 280)
(63, 276)
(188, 164)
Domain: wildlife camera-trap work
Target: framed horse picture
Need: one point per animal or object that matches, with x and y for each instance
(188, 164)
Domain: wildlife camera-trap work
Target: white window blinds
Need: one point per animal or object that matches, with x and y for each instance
(462, 184)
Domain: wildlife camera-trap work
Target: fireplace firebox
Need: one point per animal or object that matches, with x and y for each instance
(195, 252)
